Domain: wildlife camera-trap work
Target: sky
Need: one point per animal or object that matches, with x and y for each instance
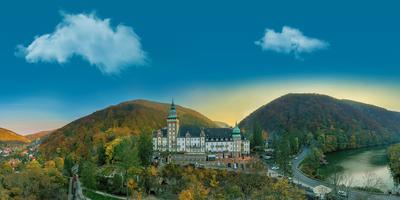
(61, 60)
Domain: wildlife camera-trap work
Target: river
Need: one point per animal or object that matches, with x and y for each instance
(361, 167)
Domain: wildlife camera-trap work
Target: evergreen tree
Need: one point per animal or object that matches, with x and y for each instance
(257, 139)
(145, 148)
(68, 164)
(283, 153)
(101, 154)
(88, 174)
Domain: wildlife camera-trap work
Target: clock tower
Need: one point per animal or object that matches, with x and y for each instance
(172, 127)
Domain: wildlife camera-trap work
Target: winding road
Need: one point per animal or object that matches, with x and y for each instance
(300, 178)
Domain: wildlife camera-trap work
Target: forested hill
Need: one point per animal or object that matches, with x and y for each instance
(129, 118)
(38, 135)
(7, 136)
(336, 124)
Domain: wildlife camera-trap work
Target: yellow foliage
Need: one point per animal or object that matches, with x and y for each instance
(6, 168)
(134, 171)
(34, 164)
(109, 149)
(153, 171)
(132, 184)
(59, 163)
(7, 135)
(50, 164)
(186, 195)
(214, 182)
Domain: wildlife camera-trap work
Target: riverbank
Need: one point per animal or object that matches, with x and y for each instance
(353, 194)
(393, 153)
(365, 168)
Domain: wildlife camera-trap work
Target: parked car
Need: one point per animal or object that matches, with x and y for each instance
(275, 168)
(342, 193)
(201, 166)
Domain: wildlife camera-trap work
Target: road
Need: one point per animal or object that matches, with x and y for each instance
(300, 178)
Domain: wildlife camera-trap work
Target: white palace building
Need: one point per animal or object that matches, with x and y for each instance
(194, 140)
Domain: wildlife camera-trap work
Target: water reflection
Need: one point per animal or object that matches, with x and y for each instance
(364, 167)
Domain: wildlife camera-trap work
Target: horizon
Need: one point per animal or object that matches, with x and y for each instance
(231, 124)
(64, 60)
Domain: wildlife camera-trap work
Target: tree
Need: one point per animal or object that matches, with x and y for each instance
(371, 181)
(393, 153)
(257, 139)
(336, 179)
(309, 138)
(110, 148)
(88, 174)
(353, 141)
(68, 164)
(59, 163)
(233, 192)
(281, 190)
(145, 149)
(5, 168)
(101, 154)
(125, 155)
(132, 186)
(283, 153)
(311, 163)
(186, 195)
(35, 182)
(4, 194)
(294, 144)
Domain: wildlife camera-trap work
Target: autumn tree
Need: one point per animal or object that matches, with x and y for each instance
(281, 190)
(186, 195)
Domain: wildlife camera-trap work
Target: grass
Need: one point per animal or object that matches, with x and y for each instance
(95, 196)
(327, 170)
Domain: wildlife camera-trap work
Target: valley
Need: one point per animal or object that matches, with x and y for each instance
(308, 132)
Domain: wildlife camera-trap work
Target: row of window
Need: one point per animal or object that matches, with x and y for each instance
(192, 139)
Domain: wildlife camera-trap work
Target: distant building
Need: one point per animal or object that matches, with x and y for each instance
(191, 139)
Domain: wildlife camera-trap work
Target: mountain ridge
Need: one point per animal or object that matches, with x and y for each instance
(39, 135)
(340, 121)
(127, 118)
(10, 136)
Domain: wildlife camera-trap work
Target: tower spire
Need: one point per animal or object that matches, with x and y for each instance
(172, 111)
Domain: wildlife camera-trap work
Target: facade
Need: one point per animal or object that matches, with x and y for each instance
(191, 139)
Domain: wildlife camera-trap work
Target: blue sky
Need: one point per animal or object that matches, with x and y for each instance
(185, 49)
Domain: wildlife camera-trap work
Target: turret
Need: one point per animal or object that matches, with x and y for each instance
(236, 141)
(172, 127)
(236, 131)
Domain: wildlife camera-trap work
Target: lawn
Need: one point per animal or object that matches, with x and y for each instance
(95, 196)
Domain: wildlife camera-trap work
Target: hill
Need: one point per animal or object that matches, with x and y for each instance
(9, 136)
(222, 124)
(38, 135)
(335, 124)
(129, 118)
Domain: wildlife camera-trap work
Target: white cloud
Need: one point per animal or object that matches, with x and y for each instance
(290, 40)
(93, 39)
